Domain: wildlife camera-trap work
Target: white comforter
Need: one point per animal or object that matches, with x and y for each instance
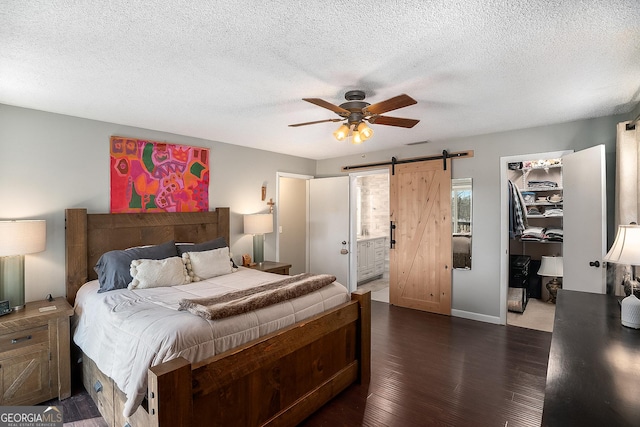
(126, 332)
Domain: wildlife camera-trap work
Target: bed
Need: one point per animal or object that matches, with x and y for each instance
(278, 378)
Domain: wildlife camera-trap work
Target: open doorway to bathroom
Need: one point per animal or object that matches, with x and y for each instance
(372, 232)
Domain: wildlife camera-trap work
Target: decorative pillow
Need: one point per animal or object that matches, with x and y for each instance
(216, 243)
(199, 247)
(113, 267)
(207, 264)
(152, 273)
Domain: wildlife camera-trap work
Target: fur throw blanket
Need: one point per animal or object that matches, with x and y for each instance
(238, 302)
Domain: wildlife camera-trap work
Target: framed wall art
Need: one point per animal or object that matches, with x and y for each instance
(152, 176)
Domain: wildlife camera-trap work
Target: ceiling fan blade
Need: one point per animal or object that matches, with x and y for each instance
(394, 103)
(393, 121)
(329, 106)
(313, 123)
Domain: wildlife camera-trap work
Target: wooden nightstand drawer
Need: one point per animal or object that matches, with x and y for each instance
(34, 353)
(22, 339)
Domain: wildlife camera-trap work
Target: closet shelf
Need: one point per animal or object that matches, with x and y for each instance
(543, 241)
(543, 204)
(543, 189)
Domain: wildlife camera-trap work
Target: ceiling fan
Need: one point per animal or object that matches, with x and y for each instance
(356, 111)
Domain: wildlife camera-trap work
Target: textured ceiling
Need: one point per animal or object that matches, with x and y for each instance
(235, 71)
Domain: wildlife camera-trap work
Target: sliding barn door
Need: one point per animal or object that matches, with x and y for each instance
(420, 260)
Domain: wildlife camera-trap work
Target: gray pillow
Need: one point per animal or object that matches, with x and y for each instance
(113, 267)
(201, 247)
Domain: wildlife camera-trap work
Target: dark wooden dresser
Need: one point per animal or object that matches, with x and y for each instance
(593, 376)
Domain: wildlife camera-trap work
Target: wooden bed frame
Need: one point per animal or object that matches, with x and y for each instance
(279, 379)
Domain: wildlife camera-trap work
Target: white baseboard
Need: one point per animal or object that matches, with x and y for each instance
(475, 316)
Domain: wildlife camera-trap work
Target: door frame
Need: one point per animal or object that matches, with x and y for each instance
(277, 212)
(353, 243)
(504, 221)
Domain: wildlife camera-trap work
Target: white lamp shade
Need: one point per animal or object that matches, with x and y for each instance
(258, 223)
(551, 266)
(626, 246)
(22, 237)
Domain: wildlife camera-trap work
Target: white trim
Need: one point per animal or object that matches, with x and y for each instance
(476, 316)
(504, 221)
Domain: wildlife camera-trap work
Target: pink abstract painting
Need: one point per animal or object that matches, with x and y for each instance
(151, 176)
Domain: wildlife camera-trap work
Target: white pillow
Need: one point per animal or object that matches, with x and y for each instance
(207, 264)
(153, 273)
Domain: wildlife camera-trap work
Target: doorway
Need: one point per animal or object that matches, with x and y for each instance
(292, 216)
(579, 202)
(530, 183)
(371, 224)
(313, 225)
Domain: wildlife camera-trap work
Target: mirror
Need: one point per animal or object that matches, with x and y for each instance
(461, 211)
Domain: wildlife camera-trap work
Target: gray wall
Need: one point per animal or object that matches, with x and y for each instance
(292, 212)
(50, 162)
(476, 293)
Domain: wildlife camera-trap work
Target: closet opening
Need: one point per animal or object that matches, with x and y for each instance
(534, 187)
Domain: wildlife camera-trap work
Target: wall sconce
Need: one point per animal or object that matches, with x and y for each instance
(258, 225)
(18, 238)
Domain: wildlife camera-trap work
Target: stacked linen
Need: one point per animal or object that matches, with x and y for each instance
(554, 234)
(534, 234)
(553, 212)
(543, 184)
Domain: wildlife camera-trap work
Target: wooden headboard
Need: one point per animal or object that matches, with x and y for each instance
(88, 236)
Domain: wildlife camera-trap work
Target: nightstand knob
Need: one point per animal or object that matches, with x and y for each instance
(18, 340)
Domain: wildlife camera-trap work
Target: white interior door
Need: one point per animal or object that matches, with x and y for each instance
(585, 221)
(329, 227)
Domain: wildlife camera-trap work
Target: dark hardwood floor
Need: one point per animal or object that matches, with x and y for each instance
(429, 369)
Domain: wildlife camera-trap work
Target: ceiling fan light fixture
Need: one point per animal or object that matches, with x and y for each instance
(341, 133)
(365, 131)
(356, 111)
(356, 138)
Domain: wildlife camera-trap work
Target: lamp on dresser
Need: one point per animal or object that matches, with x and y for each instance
(18, 238)
(551, 266)
(626, 250)
(258, 225)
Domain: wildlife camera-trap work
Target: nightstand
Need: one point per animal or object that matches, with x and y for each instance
(34, 353)
(273, 267)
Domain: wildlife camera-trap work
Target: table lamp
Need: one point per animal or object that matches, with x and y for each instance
(626, 250)
(551, 266)
(258, 225)
(18, 238)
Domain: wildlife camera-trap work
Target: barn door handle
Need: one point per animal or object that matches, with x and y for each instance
(392, 241)
(594, 263)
